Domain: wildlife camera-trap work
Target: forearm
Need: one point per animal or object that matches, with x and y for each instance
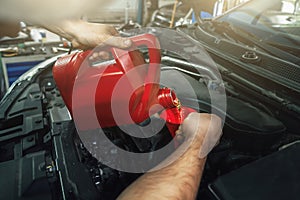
(66, 28)
(85, 35)
(179, 180)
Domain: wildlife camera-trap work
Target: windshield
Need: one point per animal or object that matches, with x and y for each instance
(283, 15)
(267, 22)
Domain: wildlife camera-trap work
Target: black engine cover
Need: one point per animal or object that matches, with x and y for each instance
(273, 177)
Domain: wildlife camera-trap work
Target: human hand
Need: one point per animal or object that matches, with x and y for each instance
(85, 35)
(91, 35)
(182, 169)
(202, 130)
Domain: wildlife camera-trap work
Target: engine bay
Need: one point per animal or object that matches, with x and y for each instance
(45, 158)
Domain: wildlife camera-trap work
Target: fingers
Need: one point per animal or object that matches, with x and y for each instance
(90, 35)
(191, 125)
(111, 37)
(119, 42)
(205, 129)
(199, 123)
(212, 136)
(102, 55)
(115, 41)
(179, 135)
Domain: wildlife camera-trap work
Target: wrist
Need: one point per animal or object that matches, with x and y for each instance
(202, 133)
(67, 29)
(70, 29)
(194, 147)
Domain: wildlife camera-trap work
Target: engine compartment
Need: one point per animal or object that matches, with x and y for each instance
(42, 153)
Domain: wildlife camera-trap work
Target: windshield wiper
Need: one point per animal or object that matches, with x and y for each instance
(224, 28)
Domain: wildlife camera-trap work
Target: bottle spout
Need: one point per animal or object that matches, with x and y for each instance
(174, 114)
(174, 117)
(167, 98)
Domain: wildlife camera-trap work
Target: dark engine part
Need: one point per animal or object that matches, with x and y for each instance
(253, 130)
(42, 156)
(267, 178)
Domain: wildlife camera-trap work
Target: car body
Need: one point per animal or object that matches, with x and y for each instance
(43, 156)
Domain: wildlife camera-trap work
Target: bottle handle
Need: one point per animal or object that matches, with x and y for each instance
(152, 43)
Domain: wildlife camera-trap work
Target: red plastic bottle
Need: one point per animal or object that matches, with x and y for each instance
(121, 91)
(126, 84)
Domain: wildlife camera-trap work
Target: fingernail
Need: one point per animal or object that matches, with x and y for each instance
(180, 127)
(180, 138)
(127, 42)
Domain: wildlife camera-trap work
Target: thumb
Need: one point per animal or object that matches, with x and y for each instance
(119, 42)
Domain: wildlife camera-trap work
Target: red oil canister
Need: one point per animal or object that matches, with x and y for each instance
(120, 91)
